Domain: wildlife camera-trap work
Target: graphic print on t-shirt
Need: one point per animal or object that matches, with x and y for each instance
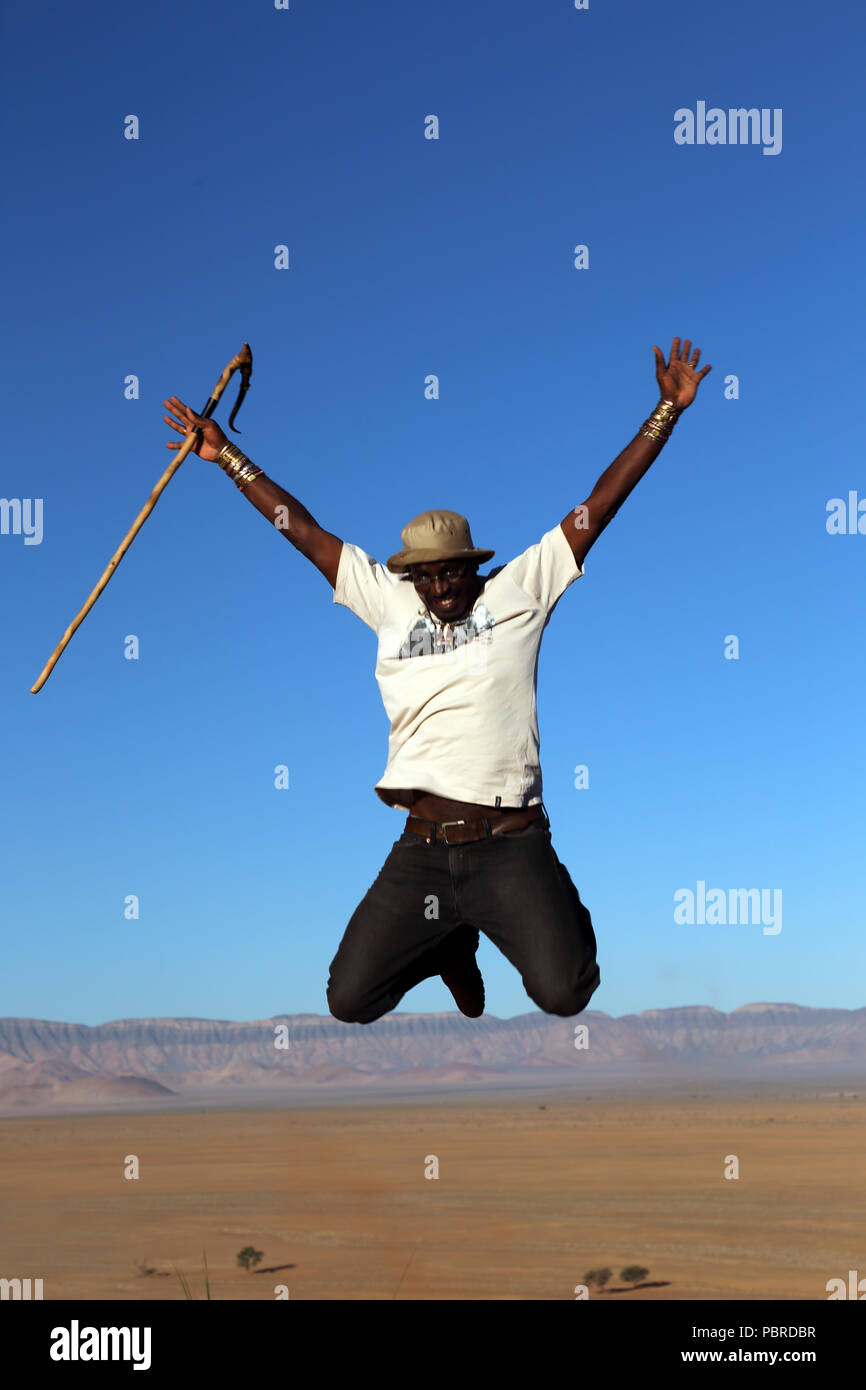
(429, 638)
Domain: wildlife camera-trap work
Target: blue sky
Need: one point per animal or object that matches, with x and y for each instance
(409, 256)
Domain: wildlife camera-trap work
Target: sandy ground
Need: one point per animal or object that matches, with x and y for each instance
(533, 1190)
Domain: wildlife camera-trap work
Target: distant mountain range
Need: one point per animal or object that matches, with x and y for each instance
(142, 1061)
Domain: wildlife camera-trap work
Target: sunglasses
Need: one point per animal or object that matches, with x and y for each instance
(453, 573)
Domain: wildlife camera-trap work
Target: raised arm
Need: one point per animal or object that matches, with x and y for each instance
(282, 510)
(678, 382)
(298, 526)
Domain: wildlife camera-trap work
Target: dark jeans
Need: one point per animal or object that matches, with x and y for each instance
(427, 899)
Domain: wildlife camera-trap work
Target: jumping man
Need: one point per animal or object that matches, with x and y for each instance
(456, 667)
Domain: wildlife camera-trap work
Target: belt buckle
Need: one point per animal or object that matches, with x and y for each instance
(444, 823)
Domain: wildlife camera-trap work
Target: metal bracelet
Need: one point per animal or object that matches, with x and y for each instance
(247, 475)
(660, 424)
(230, 459)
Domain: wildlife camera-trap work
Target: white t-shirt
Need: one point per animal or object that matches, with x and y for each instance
(461, 696)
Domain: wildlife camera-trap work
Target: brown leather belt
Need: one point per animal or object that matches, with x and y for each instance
(462, 832)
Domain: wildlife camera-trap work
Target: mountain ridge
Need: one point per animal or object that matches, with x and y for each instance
(49, 1061)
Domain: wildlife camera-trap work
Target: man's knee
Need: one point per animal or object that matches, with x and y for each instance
(348, 1015)
(350, 1009)
(558, 997)
(563, 1005)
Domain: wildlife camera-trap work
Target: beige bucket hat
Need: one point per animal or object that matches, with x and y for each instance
(437, 535)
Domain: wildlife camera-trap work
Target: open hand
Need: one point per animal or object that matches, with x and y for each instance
(208, 445)
(678, 380)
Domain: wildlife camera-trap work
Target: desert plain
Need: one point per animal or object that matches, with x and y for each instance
(534, 1189)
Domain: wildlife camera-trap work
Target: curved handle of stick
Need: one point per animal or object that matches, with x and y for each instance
(243, 362)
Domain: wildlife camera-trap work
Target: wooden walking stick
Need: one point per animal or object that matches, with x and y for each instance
(243, 363)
